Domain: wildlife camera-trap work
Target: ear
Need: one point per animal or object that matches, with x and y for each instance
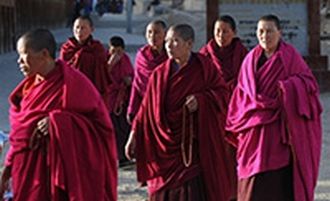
(281, 32)
(45, 53)
(190, 43)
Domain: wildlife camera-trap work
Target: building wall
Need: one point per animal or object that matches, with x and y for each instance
(293, 16)
(7, 24)
(7, 3)
(18, 16)
(292, 13)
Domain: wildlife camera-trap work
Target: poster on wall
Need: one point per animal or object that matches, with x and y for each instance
(292, 13)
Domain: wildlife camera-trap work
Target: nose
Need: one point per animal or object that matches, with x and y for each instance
(168, 44)
(78, 29)
(19, 60)
(151, 34)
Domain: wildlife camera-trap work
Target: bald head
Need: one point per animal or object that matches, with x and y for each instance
(185, 31)
(160, 23)
(40, 39)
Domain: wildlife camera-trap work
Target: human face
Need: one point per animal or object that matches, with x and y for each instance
(115, 50)
(223, 33)
(177, 48)
(82, 30)
(30, 62)
(268, 35)
(155, 35)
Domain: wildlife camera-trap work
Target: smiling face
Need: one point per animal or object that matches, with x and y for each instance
(268, 35)
(176, 47)
(155, 35)
(223, 33)
(82, 29)
(30, 62)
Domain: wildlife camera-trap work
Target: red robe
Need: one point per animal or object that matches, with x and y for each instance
(274, 114)
(145, 62)
(227, 59)
(90, 58)
(119, 92)
(158, 128)
(78, 159)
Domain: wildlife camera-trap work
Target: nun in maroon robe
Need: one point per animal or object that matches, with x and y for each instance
(88, 55)
(227, 53)
(177, 136)
(61, 148)
(121, 74)
(274, 120)
(226, 50)
(146, 60)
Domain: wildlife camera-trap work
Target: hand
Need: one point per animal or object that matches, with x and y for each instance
(114, 58)
(130, 146)
(191, 103)
(39, 132)
(43, 125)
(4, 184)
(129, 118)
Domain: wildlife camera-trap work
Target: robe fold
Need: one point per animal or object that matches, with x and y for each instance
(228, 59)
(119, 97)
(78, 159)
(119, 92)
(271, 126)
(90, 59)
(158, 129)
(145, 62)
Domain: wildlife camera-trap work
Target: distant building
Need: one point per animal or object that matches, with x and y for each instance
(18, 16)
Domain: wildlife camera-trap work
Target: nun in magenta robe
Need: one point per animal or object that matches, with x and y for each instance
(274, 119)
(78, 159)
(146, 61)
(180, 154)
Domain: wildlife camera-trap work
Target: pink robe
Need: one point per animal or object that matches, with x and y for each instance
(228, 59)
(158, 128)
(119, 92)
(78, 160)
(268, 121)
(145, 62)
(90, 59)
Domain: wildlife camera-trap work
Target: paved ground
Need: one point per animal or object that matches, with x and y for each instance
(114, 25)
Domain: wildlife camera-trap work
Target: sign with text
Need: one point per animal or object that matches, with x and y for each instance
(293, 16)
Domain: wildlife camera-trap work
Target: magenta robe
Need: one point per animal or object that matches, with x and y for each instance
(119, 92)
(78, 161)
(269, 121)
(158, 128)
(227, 59)
(90, 58)
(145, 62)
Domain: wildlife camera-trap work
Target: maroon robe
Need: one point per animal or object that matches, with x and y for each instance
(158, 129)
(146, 61)
(119, 92)
(90, 59)
(227, 59)
(119, 96)
(78, 159)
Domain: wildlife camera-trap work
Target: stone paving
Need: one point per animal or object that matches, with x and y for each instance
(128, 188)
